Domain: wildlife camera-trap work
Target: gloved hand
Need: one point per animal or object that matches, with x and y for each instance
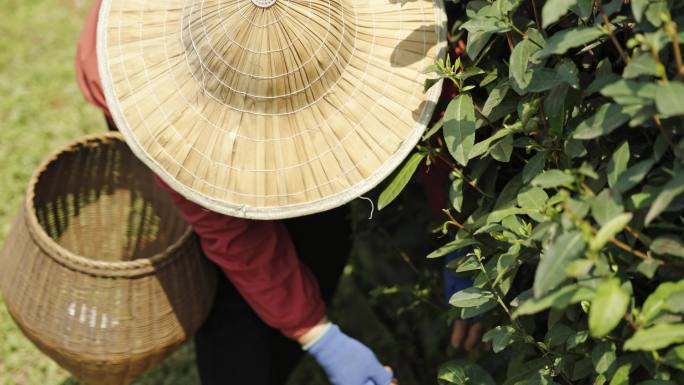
(347, 361)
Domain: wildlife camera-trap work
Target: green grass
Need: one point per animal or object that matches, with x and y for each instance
(41, 109)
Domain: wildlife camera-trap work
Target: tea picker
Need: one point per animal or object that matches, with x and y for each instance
(250, 112)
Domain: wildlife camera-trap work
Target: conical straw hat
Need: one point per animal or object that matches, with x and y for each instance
(270, 109)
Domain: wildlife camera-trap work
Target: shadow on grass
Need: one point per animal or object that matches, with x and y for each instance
(178, 369)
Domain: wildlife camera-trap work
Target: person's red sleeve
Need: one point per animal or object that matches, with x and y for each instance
(87, 72)
(260, 260)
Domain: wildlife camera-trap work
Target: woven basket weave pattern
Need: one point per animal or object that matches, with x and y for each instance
(99, 270)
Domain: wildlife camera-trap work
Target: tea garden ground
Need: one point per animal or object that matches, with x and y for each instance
(42, 109)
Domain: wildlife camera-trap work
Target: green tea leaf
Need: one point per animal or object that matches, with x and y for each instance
(675, 357)
(566, 39)
(603, 356)
(675, 302)
(486, 24)
(544, 79)
(618, 163)
(520, 58)
(503, 150)
(469, 263)
(471, 297)
(638, 8)
(569, 73)
(641, 64)
(608, 306)
(670, 191)
(634, 175)
(579, 268)
(500, 337)
(649, 267)
(552, 178)
(583, 8)
(529, 373)
(454, 245)
(534, 167)
(476, 311)
(507, 261)
(559, 299)
(553, 10)
(583, 369)
(577, 339)
(668, 245)
(655, 304)
(400, 181)
(607, 118)
(482, 147)
(462, 372)
(456, 194)
(621, 376)
(601, 82)
(533, 198)
(656, 337)
(551, 269)
(459, 128)
(476, 43)
(554, 103)
(628, 92)
(609, 231)
(495, 97)
(498, 215)
(606, 206)
(655, 11)
(669, 98)
(558, 334)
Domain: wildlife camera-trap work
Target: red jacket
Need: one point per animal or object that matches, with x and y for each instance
(257, 256)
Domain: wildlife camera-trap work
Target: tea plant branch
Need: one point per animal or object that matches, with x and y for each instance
(665, 133)
(617, 243)
(509, 39)
(454, 221)
(546, 352)
(518, 31)
(407, 259)
(625, 247)
(479, 111)
(636, 234)
(630, 322)
(671, 30)
(639, 236)
(537, 20)
(458, 171)
(609, 29)
(499, 297)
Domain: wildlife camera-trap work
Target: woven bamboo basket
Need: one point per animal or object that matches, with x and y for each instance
(99, 270)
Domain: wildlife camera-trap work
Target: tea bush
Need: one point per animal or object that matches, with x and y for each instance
(564, 140)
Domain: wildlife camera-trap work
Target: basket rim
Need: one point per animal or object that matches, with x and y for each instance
(68, 257)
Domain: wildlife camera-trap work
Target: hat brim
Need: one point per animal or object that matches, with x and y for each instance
(253, 201)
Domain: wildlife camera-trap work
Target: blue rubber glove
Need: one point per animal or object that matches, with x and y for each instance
(452, 282)
(347, 361)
